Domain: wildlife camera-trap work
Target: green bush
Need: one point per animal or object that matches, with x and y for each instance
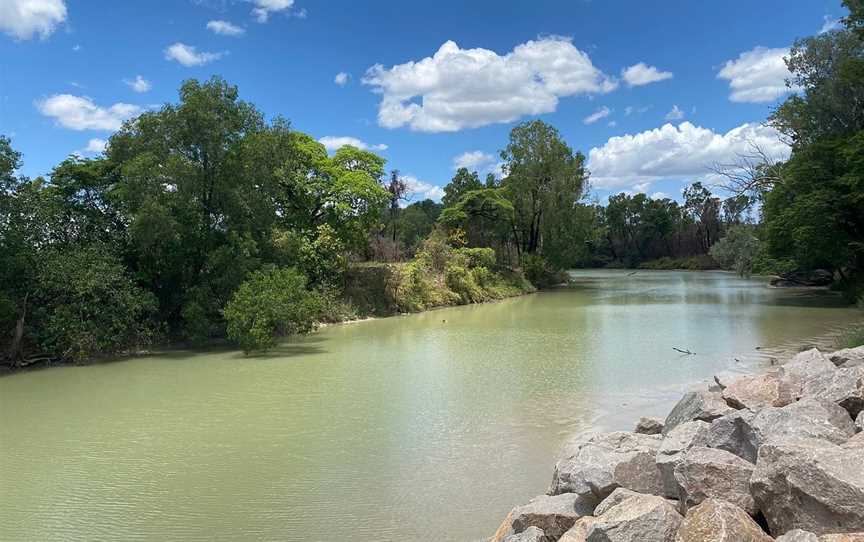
(269, 305)
(461, 281)
(476, 257)
(851, 338)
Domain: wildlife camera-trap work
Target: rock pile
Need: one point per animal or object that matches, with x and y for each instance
(777, 456)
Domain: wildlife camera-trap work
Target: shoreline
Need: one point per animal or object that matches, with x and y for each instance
(710, 469)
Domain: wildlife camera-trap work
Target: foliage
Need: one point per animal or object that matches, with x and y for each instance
(269, 305)
(702, 262)
(463, 182)
(738, 250)
(850, 338)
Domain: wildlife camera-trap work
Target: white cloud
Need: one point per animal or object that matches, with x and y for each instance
(612, 124)
(341, 79)
(139, 84)
(263, 8)
(675, 152)
(332, 143)
(94, 146)
(630, 110)
(642, 74)
(829, 23)
(641, 188)
(25, 19)
(601, 113)
(472, 160)
(80, 113)
(758, 75)
(466, 88)
(225, 28)
(188, 55)
(659, 195)
(421, 189)
(675, 113)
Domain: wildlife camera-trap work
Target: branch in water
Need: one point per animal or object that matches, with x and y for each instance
(689, 353)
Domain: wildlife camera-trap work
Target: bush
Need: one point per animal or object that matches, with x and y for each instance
(850, 338)
(737, 250)
(269, 305)
(462, 282)
(476, 257)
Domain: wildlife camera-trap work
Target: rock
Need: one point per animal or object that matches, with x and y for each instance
(643, 518)
(671, 452)
(606, 462)
(797, 279)
(719, 521)
(848, 357)
(803, 367)
(847, 537)
(579, 531)
(697, 405)
(855, 442)
(531, 534)
(707, 473)
(554, 515)
(504, 530)
(797, 535)
(809, 417)
(649, 426)
(615, 498)
(809, 484)
(859, 422)
(842, 386)
(734, 433)
(756, 391)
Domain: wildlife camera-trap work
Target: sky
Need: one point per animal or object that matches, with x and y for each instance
(652, 93)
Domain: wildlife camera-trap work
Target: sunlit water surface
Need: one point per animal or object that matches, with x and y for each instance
(422, 427)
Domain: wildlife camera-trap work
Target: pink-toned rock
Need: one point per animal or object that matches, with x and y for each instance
(719, 521)
(757, 391)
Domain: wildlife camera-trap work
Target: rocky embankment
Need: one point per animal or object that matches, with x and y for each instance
(774, 456)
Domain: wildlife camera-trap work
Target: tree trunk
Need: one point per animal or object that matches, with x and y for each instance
(18, 335)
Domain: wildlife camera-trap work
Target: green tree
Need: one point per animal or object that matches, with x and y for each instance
(269, 305)
(463, 182)
(737, 250)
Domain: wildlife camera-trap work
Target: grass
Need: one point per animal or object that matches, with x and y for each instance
(850, 338)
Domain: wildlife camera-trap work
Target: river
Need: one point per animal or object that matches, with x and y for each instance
(422, 427)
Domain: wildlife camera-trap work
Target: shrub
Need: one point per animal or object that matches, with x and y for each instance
(850, 338)
(269, 305)
(476, 257)
(462, 282)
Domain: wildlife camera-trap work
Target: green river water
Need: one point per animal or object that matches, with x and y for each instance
(422, 427)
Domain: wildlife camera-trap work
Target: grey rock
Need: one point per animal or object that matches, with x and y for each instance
(804, 367)
(649, 426)
(844, 537)
(757, 391)
(734, 433)
(606, 462)
(719, 521)
(809, 484)
(697, 405)
(842, 386)
(809, 417)
(554, 515)
(859, 422)
(531, 534)
(672, 449)
(848, 357)
(579, 531)
(615, 498)
(643, 518)
(855, 442)
(798, 535)
(708, 473)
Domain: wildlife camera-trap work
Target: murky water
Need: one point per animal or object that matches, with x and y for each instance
(422, 427)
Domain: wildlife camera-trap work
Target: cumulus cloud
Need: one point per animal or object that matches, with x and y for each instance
(332, 143)
(139, 84)
(473, 160)
(25, 19)
(671, 152)
(601, 113)
(757, 76)
(341, 79)
(263, 8)
(225, 28)
(642, 74)
(659, 195)
(675, 113)
(465, 88)
(829, 23)
(421, 190)
(80, 113)
(94, 146)
(188, 55)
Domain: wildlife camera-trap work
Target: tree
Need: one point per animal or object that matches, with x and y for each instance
(398, 189)
(464, 181)
(737, 250)
(544, 182)
(269, 305)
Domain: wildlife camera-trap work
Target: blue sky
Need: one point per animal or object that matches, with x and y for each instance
(452, 77)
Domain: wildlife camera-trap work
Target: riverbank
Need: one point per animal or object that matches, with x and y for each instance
(754, 457)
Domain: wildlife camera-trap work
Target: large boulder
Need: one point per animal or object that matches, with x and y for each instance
(809, 418)
(842, 386)
(734, 433)
(757, 391)
(855, 442)
(809, 484)
(579, 531)
(859, 422)
(845, 537)
(649, 426)
(531, 534)
(672, 450)
(643, 518)
(708, 473)
(606, 462)
(719, 521)
(618, 496)
(798, 535)
(696, 405)
(554, 515)
(848, 357)
(803, 367)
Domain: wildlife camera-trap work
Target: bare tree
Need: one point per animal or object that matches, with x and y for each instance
(753, 173)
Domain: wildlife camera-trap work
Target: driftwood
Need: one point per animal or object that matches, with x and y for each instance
(689, 353)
